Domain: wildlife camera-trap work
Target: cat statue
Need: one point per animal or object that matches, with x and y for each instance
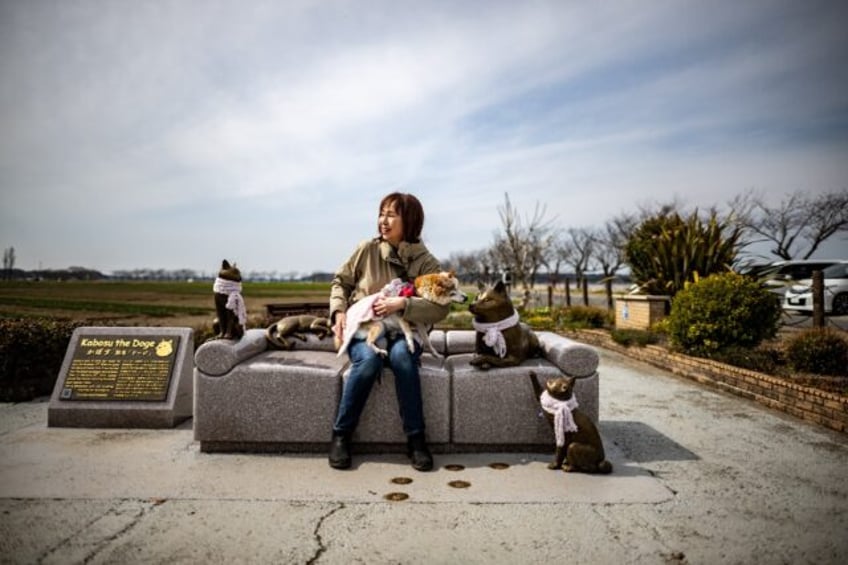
(578, 443)
(229, 304)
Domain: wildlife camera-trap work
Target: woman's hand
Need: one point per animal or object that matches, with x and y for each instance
(384, 305)
(339, 326)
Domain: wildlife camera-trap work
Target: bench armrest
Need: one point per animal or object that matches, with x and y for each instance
(218, 356)
(573, 358)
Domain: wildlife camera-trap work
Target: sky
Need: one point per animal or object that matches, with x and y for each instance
(174, 134)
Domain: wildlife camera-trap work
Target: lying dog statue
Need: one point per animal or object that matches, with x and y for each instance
(298, 327)
(578, 443)
(502, 340)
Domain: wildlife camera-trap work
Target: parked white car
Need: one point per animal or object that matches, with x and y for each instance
(799, 296)
(778, 276)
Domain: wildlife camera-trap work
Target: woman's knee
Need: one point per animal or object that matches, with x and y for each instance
(402, 361)
(365, 361)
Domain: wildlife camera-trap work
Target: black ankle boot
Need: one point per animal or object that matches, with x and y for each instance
(340, 451)
(416, 448)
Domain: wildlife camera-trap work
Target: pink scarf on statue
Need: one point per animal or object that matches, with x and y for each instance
(563, 419)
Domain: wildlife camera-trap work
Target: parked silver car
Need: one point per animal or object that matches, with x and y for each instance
(799, 296)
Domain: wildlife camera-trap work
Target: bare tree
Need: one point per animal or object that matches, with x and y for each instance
(521, 245)
(556, 257)
(581, 242)
(8, 262)
(469, 267)
(797, 226)
(610, 242)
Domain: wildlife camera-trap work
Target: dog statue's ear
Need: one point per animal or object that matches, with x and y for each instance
(480, 286)
(225, 264)
(500, 287)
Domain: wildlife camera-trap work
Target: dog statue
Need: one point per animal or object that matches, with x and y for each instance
(441, 288)
(502, 340)
(229, 303)
(578, 443)
(296, 326)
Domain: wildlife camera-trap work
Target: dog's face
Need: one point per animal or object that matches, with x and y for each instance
(441, 288)
(492, 304)
(229, 272)
(560, 388)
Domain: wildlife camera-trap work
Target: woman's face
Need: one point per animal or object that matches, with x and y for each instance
(390, 224)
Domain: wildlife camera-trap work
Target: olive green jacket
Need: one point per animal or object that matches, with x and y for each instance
(373, 265)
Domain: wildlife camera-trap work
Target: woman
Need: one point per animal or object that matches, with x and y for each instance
(397, 252)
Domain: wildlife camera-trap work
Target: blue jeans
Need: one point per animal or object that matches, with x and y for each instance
(366, 368)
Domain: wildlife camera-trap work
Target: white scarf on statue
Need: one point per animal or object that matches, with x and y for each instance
(235, 301)
(563, 419)
(493, 332)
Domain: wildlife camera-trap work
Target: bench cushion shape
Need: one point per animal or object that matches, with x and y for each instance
(248, 398)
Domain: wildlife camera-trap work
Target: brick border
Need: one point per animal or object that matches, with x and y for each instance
(807, 403)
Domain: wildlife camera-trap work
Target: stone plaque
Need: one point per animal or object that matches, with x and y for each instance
(117, 367)
(130, 377)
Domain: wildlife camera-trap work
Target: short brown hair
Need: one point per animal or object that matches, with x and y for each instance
(411, 213)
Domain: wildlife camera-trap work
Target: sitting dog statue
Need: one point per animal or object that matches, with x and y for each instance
(298, 327)
(229, 303)
(578, 443)
(502, 340)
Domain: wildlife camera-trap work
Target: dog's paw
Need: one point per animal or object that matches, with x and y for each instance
(380, 351)
(481, 363)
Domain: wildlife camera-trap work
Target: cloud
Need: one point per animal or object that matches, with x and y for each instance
(176, 117)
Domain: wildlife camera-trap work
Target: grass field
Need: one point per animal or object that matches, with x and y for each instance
(173, 304)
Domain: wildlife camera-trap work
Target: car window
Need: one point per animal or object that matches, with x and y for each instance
(837, 271)
(802, 271)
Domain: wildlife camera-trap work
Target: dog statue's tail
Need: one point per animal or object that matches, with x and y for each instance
(537, 388)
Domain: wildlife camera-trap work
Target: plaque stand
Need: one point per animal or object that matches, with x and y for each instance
(124, 377)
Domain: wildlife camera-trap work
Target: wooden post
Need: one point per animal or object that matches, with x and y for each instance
(585, 291)
(818, 299)
(550, 297)
(567, 292)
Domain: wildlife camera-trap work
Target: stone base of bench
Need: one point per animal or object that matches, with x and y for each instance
(368, 448)
(250, 399)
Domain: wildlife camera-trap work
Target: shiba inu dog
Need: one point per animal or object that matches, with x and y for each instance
(578, 443)
(441, 288)
(502, 340)
(229, 304)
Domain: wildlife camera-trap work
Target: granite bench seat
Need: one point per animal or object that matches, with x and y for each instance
(248, 397)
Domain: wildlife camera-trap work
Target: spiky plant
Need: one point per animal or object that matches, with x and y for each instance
(668, 251)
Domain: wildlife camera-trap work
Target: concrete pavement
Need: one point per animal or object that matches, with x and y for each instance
(700, 477)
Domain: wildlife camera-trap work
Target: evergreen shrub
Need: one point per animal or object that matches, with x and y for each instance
(722, 310)
(583, 317)
(31, 355)
(628, 337)
(762, 360)
(553, 319)
(819, 350)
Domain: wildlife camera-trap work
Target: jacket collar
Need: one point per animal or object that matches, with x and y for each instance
(404, 255)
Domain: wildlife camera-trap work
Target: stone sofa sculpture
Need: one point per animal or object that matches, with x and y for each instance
(250, 398)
